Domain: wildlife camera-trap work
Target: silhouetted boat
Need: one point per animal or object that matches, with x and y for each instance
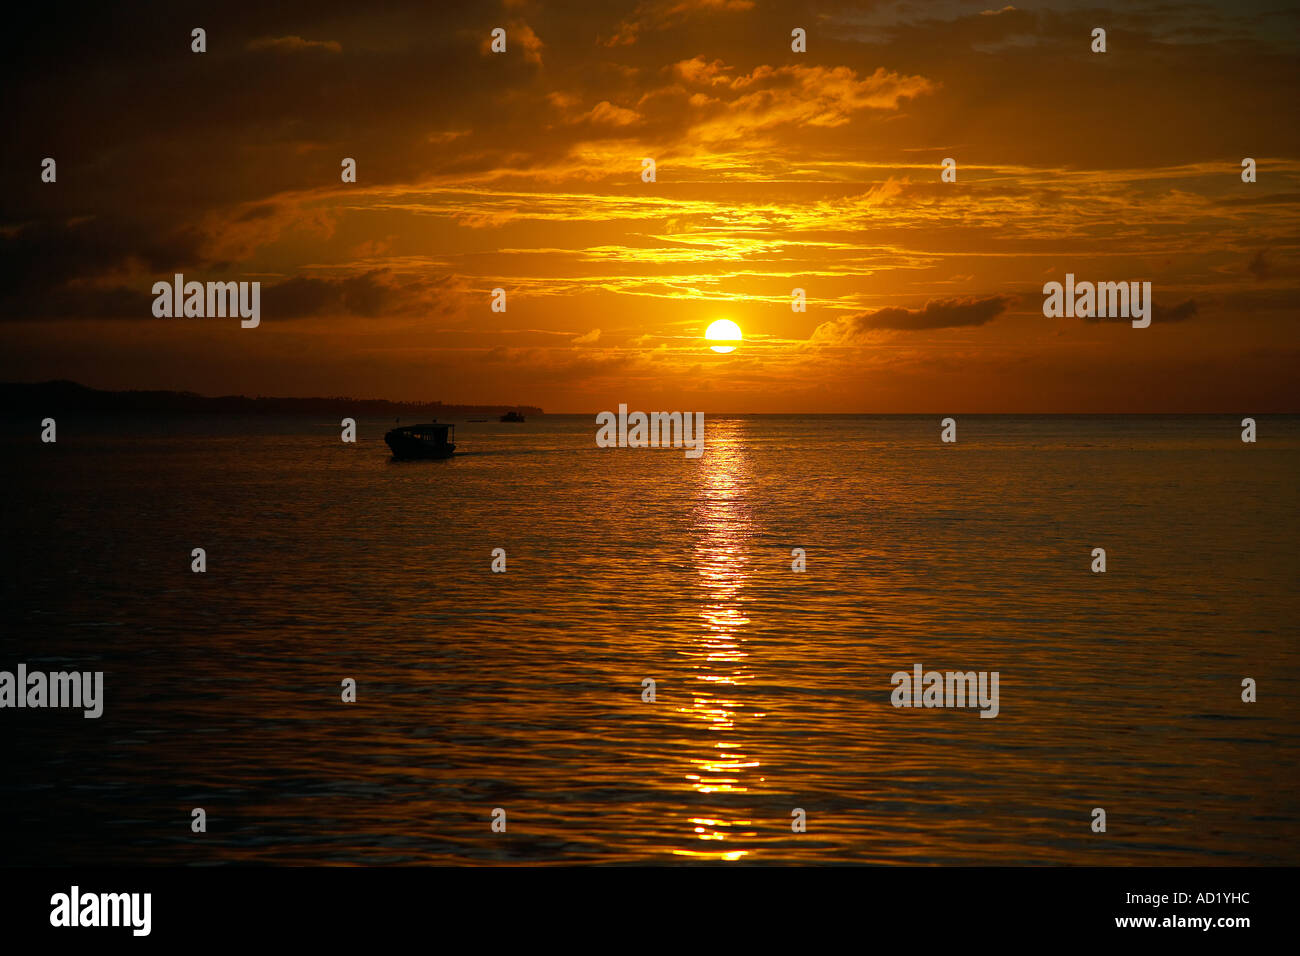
(430, 440)
(512, 417)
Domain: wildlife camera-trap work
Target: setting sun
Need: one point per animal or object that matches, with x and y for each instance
(724, 331)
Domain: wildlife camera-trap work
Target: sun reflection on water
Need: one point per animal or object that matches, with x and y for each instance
(721, 556)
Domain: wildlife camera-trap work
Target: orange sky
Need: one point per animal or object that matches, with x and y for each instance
(775, 170)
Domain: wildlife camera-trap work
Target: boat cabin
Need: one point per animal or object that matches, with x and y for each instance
(433, 433)
(429, 440)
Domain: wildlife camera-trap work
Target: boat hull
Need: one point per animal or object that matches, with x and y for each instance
(405, 447)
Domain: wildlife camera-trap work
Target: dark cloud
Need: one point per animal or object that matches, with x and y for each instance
(367, 295)
(372, 294)
(935, 314)
(254, 213)
(68, 269)
(1259, 266)
(1160, 312)
(294, 44)
(1179, 312)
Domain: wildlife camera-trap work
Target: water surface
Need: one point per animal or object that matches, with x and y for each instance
(523, 690)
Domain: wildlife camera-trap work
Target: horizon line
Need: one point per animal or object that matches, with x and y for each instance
(716, 414)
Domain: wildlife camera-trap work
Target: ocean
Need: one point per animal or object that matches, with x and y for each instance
(524, 691)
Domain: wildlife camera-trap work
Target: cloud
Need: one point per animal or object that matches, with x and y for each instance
(1259, 266)
(1180, 312)
(530, 41)
(699, 71)
(77, 269)
(588, 338)
(767, 97)
(935, 314)
(293, 44)
(1175, 313)
(664, 14)
(519, 35)
(605, 113)
(376, 293)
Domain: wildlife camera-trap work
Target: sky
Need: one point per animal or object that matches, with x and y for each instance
(774, 170)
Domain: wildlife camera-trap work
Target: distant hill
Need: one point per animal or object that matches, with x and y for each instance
(49, 397)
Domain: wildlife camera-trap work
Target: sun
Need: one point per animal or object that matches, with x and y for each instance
(724, 331)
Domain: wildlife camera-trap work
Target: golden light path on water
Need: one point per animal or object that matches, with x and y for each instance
(721, 558)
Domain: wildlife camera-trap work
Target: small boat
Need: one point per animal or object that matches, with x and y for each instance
(430, 440)
(512, 417)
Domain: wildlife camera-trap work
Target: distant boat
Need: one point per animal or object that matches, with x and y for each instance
(430, 440)
(512, 417)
